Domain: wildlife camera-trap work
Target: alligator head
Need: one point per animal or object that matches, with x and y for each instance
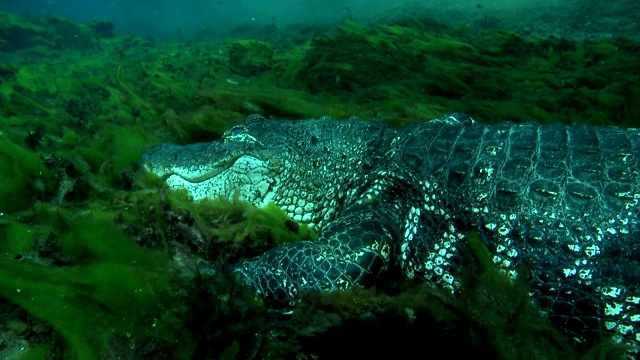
(302, 166)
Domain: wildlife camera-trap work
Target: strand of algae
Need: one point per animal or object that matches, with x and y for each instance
(228, 229)
(130, 97)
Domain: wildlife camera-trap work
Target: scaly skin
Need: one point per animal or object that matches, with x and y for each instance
(562, 200)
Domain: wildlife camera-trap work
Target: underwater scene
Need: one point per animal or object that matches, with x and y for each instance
(412, 177)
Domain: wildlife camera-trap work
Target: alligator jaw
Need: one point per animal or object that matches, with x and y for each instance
(194, 163)
(248, 174)
(199, 174)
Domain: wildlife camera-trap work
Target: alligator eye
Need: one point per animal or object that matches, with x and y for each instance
(239, 133)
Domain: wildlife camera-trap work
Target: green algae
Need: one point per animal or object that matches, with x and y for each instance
(416, 63)
(249, 57)
(204, 124)
(250, 98)
(106, 287)
(18, 34)
(467, 73)
(455, 74)
(17, 238)
(233, 228)
(127, 147)
(22, 176)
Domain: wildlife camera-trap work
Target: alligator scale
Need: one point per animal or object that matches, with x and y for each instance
(562, 200)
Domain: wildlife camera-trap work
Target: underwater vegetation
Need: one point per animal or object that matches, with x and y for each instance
(100, 287)
(22, 176)
(99, 260)
(494, 75)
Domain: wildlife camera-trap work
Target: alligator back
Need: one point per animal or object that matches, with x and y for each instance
(562, 200)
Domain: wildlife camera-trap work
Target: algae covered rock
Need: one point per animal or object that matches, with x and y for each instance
(250, 57)
(67, 34)
(103, 28)
(17, 34)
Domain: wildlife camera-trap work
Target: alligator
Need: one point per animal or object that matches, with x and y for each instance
(560, 200)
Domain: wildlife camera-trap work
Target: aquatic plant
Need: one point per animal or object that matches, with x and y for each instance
(229, 229)
(249, 57)
(102, 289)
(23, 176)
